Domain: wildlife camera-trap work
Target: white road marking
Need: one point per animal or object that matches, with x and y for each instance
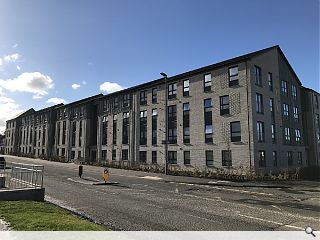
(269, 221)
(276, 207)
(151, 178)
(72, 180)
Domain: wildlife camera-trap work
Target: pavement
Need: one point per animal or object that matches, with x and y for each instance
(151, 201)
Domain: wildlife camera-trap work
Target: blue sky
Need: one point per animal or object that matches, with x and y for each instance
(54, 44)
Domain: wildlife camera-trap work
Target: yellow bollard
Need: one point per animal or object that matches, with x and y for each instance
(106, 175)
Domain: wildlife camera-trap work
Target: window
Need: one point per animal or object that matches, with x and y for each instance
(186, 87)
(104, 155)
(260, 131)
(143, 127)
(235, 132)
(295, 114)
(172, 124)
(270, 81)
(284, 88)
(115, 103)
(143, 156)
(154, 126)
(104, 130)
(186, 157)
(114, 155)
(224, 105)
(186, 123)
(299, 156)
(289, 158)
(273, 133)
(262, 159)
(298, 135)
(172, 157)
(287, 137)
(208, 127)
(316, 101)
(154, 157)
(125, 154)
(64, 132)
(143, 97)
(257, 75)
(126, 100)
(73, 137)
(317, 120)
(172, 91)
(294, 91)
(154, 95)
(207, 82)
(233, 76)
(207, 103)
(125, 128)
(271, 105)
(286, 111)
(73, 154)
(275, 158)
(259, 103)
(209, 158)
(114, 130)
(80, 133)
(226, 158)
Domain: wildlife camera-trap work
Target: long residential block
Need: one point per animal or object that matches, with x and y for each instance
(247, 114)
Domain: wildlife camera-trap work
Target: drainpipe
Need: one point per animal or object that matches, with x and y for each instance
(248, 116)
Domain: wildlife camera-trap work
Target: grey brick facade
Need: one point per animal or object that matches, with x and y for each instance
(219, 118)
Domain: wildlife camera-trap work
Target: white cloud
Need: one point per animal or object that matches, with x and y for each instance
(18, 67)
(56, 100)
(1, 62)
(6, 100)
(75, 86)
(11, 58)
(8, 109)
(110, 87)
(32, 82)
(15, 45)
(84, 82)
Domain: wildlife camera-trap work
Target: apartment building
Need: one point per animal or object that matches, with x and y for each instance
(311, 112)
(76, 129)
(241, 114)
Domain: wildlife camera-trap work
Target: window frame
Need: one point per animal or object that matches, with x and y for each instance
(233, 78)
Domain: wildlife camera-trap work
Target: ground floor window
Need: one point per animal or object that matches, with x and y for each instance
(104, 155)
(275, 158)
(142, 156)
(226, 158)
(114, 155)
(209, 158)
(186, 157)
(73, 154)
(125, 154)
(262, 158)
(154, 157)
(289, 158)
(172, 157)
(299, 158)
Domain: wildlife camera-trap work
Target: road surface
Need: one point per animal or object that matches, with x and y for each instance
(148, 201)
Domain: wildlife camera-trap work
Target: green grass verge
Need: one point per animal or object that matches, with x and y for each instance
(43, 216)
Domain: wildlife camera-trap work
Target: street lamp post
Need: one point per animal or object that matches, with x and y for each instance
(166, 123)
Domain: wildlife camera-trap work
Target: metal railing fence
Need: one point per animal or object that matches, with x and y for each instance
(20, 175)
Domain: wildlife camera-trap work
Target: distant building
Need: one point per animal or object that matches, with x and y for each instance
(311, 113)
(2, 143)
(238, 115)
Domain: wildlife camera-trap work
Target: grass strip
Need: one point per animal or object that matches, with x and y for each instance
(43, 216)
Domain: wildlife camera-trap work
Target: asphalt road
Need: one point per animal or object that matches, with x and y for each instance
(147, 201)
